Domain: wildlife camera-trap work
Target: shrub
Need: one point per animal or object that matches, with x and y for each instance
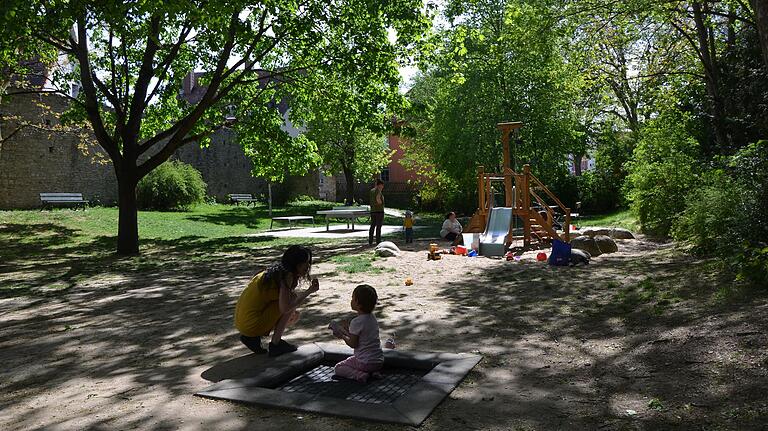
(728, 216)
(663, 169)
(171, 186)
(710, 211)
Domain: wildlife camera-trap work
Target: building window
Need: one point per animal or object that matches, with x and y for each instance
(385, 175)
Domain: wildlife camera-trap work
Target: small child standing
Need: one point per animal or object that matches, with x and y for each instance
(363, 336)
(408, 224)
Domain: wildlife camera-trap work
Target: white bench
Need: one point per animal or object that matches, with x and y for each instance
(237, 198)
(67, 199)
(292, 219)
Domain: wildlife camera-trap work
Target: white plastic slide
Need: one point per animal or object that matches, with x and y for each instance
(496, 230)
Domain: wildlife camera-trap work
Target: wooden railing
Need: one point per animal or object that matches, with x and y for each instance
(522, 202)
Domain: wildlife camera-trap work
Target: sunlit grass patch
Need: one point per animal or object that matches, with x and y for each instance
(361, 263)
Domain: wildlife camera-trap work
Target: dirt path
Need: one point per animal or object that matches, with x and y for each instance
(640, 339)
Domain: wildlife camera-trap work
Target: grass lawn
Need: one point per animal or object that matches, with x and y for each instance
(66, 247)
(622, 218)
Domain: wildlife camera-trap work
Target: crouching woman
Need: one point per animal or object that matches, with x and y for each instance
(268, 304)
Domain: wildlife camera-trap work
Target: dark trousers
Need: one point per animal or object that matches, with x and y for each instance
(377, 220)
(408, 235)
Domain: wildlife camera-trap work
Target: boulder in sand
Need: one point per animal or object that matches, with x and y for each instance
(606, 244)
(387, 249)
(594, 231)
(621, 233)
(587, 244)
(579, 256)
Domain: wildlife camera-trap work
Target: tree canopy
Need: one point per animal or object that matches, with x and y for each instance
(131, 58)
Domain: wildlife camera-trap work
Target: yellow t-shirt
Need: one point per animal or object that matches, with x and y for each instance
(408, 223)
(258, 308)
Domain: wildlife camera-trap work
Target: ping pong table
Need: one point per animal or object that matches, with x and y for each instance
(349, 213)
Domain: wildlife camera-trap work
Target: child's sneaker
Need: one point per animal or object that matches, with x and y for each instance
(281, 348)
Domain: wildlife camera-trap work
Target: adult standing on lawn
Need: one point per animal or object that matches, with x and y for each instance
(377, 211)
(268, 303)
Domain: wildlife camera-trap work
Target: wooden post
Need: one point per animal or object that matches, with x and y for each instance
(526, 198)
(505, 145)
(481, 189)
(508, 187)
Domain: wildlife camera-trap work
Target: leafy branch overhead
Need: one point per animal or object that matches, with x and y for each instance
(131, 59)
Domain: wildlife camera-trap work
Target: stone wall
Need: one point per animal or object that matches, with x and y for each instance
(35, 161)
(38, 160)
(224, 166)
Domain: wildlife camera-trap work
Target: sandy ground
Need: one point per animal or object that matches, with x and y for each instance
(564, 348)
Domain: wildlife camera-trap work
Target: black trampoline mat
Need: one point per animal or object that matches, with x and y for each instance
(411, 386)
(393, 383)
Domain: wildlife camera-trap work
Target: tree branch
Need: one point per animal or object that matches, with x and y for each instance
(91, 100)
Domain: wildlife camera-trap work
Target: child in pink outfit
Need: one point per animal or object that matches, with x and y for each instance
(363, 336)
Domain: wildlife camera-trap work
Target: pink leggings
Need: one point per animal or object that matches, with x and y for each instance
(351, 368)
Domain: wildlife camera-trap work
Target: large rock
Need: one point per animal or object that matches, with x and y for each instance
(620, 233)
(579, 256)
(387, 249)
(594, 231)
(606, 244)
(613, 232)
(586, 243)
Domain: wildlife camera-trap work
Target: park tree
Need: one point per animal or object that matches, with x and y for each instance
(130, 59)
(348, 123)
(495, 62)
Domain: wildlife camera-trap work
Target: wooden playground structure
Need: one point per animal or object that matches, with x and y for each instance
(524, 193)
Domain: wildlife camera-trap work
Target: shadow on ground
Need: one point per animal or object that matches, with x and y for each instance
(599, 347)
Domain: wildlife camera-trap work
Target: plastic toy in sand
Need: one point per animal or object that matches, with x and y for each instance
(409, 281)
(433, 253)
(472, 253)
(541, 257)
(461, 250)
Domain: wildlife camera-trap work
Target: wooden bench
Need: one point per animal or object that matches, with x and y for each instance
(67, 199)
(292, 219)
(238, 198)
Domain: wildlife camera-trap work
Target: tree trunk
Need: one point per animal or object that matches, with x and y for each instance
(349, 177)
(712, 76)
(761, 20)
(128, 222)
(577, 165)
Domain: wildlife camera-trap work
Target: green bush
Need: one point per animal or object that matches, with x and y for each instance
(171, 186)
(709, 214)
(728, 216)
(663, 170)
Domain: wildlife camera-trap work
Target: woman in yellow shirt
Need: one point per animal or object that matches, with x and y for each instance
(268, 303)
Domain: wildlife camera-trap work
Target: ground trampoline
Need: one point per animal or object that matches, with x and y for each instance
(411, 386)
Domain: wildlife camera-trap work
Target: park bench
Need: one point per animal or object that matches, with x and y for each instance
(238, 198)
(67, 199)
(292, 219)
